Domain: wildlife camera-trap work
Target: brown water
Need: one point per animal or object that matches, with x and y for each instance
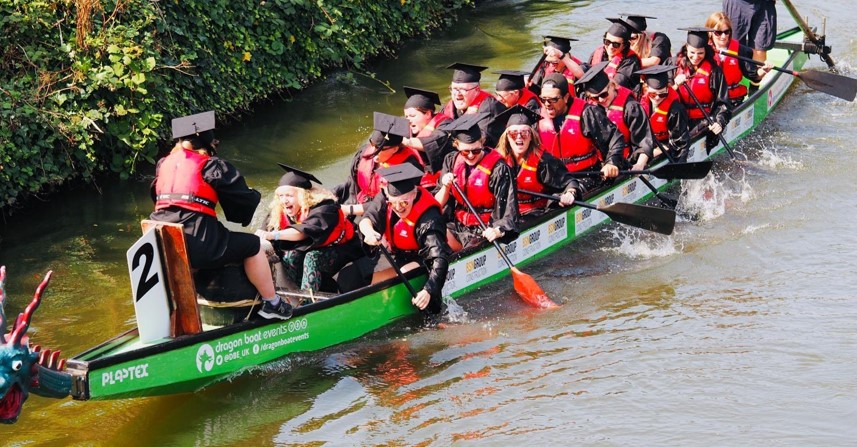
(736, 330)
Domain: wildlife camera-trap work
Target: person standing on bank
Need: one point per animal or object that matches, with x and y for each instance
(188, 184)
(667, 115)
(698, 71)
(579, 134)
(487, 182)
(755, 24)
(383, 149)
(533, 168)
(468, 98)
(624, 111)
(426, 136)
(654, 48)
(558, 59)
(408, 219)
(310, 232)
(734, 70)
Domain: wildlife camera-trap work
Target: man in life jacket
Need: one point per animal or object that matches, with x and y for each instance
(616, 51)
(383, 149)
(468, 98)
(579, 134)
(511, 90)
(624, 111)
(188, 184)
(426, 135)
(487, 183)
(653, 48)
(667, 115)
(558, 59)
(406, 218)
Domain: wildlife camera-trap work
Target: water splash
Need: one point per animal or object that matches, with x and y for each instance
(454, 312)
(639, 244)
(707, 199)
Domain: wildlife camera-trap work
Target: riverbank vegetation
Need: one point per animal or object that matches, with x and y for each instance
(89, 86)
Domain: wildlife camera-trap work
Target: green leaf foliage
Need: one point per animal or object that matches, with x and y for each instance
(88, 86)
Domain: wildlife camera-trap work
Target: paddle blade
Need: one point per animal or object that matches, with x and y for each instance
(830, 83)
(691, 171)
(652, 218)
(530, 291)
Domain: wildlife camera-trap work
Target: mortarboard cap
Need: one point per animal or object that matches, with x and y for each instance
(419, 98)
(466, 127)
(558, 80)
(510, 80)
(621, 28)
(401, 178)
(560, 43)
(657, 76)
(517, 115)
(297, 178)
(697, 37)
(389, 130)
(595, 79)
(466, 72)
(200, 125)
(636, 20)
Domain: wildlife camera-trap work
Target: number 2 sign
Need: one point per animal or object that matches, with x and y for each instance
(147, 286)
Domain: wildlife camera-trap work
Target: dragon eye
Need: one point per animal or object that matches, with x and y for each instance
(17, 365)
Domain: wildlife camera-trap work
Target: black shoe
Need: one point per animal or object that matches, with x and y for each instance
(282, 310)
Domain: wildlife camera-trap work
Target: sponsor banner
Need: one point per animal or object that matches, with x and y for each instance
(778, 89)
(740, 123)
(586, 218)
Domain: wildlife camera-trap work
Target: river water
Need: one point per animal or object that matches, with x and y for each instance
(736, 330)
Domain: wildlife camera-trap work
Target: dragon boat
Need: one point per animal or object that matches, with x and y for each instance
(126, 366)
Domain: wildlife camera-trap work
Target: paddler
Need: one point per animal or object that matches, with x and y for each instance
(621, 60)
(406, 218)
(468, 98)
(511, 90)
(667, 114)
(188, 184)
(734, 70)
(487, 182)
(558, 59)
(426, 136)
(653, 48)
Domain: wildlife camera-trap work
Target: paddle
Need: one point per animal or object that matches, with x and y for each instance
(694, 170)
(830, 83)
(651, 218)
(527, 287)
(399, 273)
(708, 118)
(809, 33)
(668, 202)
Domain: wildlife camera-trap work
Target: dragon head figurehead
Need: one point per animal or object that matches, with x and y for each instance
(24, 369)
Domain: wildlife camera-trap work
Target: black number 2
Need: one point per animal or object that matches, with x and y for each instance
(145, 284)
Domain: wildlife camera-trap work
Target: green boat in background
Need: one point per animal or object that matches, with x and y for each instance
(126, 367)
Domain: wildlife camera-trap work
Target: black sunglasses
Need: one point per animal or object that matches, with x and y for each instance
(550, 100)
(719, 32)
(614, 44)
(601, 95)
(476, 151)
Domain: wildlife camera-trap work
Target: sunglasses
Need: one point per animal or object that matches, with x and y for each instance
(475, 151)
(461, 90)
(610, 43)
(635, 36)
(722, 32)
(519, 133)
(603, 95)
(403, 201)
(658, 94)
(550, 100)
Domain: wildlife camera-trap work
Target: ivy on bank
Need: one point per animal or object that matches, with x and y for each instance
(89, 86)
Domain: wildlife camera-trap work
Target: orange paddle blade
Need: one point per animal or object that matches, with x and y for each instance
(530, 291)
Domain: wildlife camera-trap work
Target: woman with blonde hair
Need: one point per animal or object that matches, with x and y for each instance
(309, 232)
(654, 48)
(734, 70)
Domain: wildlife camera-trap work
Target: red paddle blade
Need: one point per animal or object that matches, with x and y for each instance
(530, 291)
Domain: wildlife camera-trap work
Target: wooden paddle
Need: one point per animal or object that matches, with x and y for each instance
(708, 118)
(689, 171)
(652, 218)
(809, 33)
(830, 83)
(527, 287)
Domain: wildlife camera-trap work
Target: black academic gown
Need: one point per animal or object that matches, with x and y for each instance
(679, 131)
(553, 175)
(625, 73)
(346, 193)
(640, 132)
(492, 107)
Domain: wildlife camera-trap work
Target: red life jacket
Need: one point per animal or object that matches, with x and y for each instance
(342, 232)
(528, 180)
(429, 180)
(732, 72)
(449, 108)
(616, 114)
(569, 145)
(700, 84)
(526, 96)
(475, 186)
(435, 121)
(368, 182)
(599, 56)
(402, 235)
(180, 183)
(658, 118)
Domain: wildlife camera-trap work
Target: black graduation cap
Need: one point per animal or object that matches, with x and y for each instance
(193, 124)
(466, 128)
(636, 20)
(558, 80)
(401, 179)
(466, 72)
(297, 178)
(595, 79)
(657, 76)
(517, 114)
(389, 130)
(419, 98)
(621, 28)
(510, 80)
(697, 37)
(560, 43)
